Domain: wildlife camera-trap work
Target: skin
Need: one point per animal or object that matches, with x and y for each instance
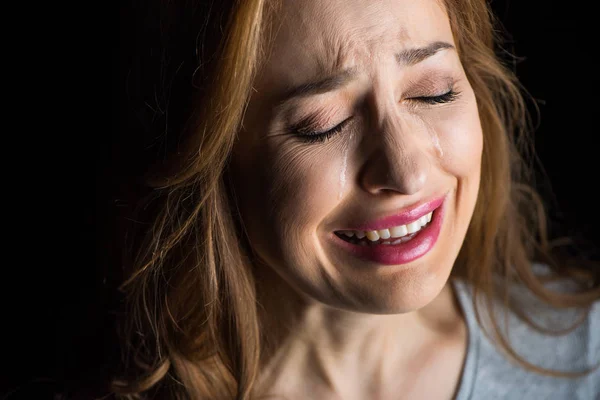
(341, 327)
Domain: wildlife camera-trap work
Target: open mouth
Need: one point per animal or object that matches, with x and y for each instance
(395, 245)
(389, 236)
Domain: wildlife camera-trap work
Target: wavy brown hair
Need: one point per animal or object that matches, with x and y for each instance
(190, 329)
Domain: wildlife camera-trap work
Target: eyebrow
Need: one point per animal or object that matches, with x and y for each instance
(327, 84)
(410, 57)
(405, 58)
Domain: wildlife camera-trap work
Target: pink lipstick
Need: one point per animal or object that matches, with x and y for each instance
(411, 248)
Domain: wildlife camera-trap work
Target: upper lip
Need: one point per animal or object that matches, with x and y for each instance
(403, 217)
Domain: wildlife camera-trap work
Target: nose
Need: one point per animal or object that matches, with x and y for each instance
(398, 160)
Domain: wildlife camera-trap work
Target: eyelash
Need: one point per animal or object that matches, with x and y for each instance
(313, 137)
(447, 97)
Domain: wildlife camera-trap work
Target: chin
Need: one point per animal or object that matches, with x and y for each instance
(415, 297)
(395, 294)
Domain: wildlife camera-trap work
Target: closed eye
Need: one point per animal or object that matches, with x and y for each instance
(447, 97)
(309, 136)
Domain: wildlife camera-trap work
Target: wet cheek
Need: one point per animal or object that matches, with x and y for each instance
(461, 140)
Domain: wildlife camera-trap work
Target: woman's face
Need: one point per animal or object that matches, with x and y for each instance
(362, 125)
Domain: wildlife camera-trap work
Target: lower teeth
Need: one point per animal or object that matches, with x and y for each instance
(401, 240)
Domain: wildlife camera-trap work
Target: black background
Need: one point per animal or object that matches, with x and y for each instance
(69, 333)
(555, 46)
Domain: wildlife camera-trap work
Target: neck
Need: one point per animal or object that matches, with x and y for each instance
(306, 341)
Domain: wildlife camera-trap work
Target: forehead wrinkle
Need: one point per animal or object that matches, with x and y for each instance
(345, 44)
(337, 51)
(340, 44)
(328, 42)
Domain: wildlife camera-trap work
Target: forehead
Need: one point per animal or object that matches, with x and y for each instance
(319, 37)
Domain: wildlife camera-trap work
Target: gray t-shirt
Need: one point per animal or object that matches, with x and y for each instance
(489, 374)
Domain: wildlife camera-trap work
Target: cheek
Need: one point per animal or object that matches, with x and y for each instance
(293, 187)
(303, 182)
(461, 139)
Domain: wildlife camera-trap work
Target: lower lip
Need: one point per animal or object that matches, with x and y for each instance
(402, 253)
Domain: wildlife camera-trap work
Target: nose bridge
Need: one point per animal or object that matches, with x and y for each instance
(399, 160)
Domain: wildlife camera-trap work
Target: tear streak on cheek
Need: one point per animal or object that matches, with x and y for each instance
(344, 167)
(436, 143)
(435, 139)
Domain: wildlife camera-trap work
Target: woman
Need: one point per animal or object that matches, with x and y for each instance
(346, 216)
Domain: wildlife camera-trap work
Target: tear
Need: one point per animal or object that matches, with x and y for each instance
(434, 136)
(436, 143)
(344, 168)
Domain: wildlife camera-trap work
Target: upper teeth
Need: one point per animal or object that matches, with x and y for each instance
(394, 232)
